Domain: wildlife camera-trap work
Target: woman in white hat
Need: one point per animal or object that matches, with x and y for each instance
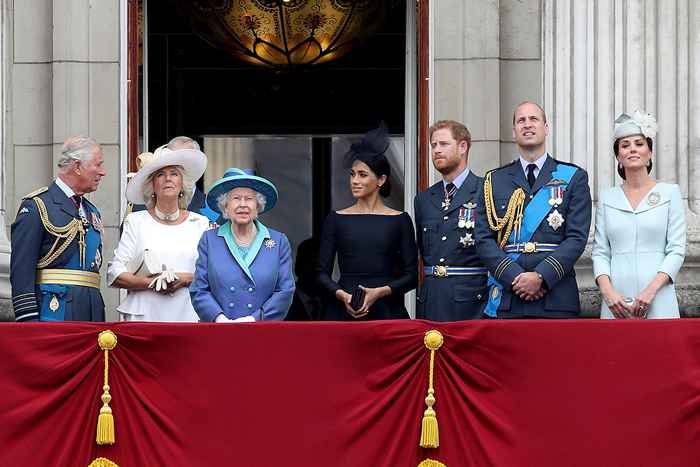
(157, 252)
(244, 269)
(640, 232)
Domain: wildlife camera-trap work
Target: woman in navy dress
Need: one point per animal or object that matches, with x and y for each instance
(375, 244)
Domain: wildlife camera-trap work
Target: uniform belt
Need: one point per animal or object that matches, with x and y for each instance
(68, 277)
(530, 247)
(444, 271)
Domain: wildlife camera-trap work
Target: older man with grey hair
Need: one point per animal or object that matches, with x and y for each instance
(57, 242)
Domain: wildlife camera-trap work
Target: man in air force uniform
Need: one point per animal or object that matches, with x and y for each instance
(533, 223)
(57, 242)
(454, 287)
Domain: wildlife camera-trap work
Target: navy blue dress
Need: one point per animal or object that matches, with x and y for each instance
(373, 251)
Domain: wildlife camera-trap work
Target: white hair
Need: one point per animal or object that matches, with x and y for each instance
(182, 201)
(179, 141)
(76, 148)
(223, 199)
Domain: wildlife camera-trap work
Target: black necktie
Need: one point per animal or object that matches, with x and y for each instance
(78, 200)
(531, 174)
(450, 190)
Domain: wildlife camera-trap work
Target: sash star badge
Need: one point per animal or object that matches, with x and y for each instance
(270, 243)
(466, 240)
(555, 220)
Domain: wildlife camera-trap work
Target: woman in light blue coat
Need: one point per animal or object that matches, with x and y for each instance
(244, 269)
(640, 232)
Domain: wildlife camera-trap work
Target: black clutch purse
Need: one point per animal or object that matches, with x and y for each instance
(358, 298)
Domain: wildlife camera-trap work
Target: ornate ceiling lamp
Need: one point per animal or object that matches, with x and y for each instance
(284, 33)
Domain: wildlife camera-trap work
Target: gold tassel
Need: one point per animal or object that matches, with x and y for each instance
(102, 462)
(431, 463)
(430, 434)
(107, 341)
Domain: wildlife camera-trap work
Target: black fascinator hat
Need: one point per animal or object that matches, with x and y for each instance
(371, 150)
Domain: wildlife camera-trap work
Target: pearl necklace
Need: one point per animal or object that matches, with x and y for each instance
(173, 216)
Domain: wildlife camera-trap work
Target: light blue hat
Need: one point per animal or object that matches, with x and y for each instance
(242, 178)
(639, 123)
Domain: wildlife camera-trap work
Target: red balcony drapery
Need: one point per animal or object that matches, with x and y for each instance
(516, 393)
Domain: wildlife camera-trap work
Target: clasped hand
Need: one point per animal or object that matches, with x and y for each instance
(528, 286)
(371, 296)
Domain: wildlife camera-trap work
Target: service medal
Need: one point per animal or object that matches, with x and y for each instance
(654, 198)
(555, 219)
(270, 243)
(461, 223)
(53, 304)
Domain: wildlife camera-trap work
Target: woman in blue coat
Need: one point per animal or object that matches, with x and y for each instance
(244, 269)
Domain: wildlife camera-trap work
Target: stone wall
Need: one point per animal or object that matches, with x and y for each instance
(62, 78)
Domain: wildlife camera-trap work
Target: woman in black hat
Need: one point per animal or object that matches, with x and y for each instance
(375, 244)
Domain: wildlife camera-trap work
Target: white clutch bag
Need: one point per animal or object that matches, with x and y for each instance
(145, 264)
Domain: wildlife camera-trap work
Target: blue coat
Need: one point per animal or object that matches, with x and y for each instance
(556, 267)
(449, 298)
(31, 241)
(224, 282)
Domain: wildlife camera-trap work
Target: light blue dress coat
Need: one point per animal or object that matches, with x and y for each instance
(260, 285)
(632, 245)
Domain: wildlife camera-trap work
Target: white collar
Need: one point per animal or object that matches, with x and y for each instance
(64, 187)
(539, 162)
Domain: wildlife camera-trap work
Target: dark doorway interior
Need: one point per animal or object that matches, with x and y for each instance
(196, 89)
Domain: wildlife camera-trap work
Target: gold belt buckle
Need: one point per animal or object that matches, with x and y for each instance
(440, 271)
(529, 247)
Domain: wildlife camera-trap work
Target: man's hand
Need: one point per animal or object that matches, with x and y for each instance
(528, 286)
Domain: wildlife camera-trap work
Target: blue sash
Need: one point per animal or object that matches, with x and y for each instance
(533, 216)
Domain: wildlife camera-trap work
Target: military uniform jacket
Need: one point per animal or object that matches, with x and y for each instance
(31, 242)
(556, 267)
(449, 298)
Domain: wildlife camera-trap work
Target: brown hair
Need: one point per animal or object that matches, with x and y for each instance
(616, 150)
(458, 130)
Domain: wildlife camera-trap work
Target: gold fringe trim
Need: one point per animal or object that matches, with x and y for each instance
(102, 462)
(107, 341)
(430, 434)
(431, 463)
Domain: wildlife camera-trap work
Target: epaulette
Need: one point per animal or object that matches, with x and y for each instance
(502, 167)
(37, 192)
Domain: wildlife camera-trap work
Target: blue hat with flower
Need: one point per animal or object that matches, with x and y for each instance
(242, 178)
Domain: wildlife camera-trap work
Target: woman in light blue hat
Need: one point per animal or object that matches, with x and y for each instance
(244, 269)
(640, 231)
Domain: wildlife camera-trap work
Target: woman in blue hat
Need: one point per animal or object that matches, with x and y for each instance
(244, 269)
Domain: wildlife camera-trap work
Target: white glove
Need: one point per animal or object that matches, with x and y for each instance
(244, 319)
(221, 318)
(161, 281)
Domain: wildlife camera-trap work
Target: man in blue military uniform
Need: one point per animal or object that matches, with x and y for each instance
(454, 286)
(57, 242)
(532, 226)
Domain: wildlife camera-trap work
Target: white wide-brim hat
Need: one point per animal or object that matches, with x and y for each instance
(193, 162)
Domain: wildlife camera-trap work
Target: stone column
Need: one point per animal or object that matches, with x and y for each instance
(605, 57)
(63, 75)
(5, 291)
